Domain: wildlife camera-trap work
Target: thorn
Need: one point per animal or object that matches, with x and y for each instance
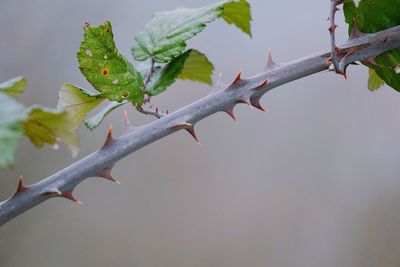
(21, 187)
(332, 28)
(355, 31)
(193, 134)
(238, 77)
(237, 80)
(182, 125)
(68, 195)
(188, 127)
(261, 85)
(370, 60)
(270, 62)
(109, 138)
(231, 114)
(338, 49)
(256, 103)
(245, 101)
(106, 174)
(53, 192)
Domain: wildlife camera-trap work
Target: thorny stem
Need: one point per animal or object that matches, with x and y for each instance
(100, 162)
(332, 29)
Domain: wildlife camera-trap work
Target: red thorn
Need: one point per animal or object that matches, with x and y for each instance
(231, 114)
(332, 28)
(21, 187)
(245, 101)
(188, 127)
(109, 138)
(262, 84)
(69, 196)
(106, 174)
(256, 103)
(237, 80)
(238, 77)
(338, 49)
(193, 134)
(182, 125)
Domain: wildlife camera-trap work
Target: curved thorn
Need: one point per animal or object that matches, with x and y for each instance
(53, 192)
(193, 134)
(237, 81)
(21, 187)
(183, 125)
(245, 100)
(69, 196)
(355, 31)
(106, 174)
(256, 103)
(231, 114)
(262, 84)
(109, 138)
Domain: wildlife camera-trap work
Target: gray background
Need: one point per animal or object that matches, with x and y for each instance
(313, 182)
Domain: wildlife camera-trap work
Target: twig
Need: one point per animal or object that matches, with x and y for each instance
(249, 91)
(332, 29)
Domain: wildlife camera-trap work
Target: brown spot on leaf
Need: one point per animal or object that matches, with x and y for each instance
(105, 71)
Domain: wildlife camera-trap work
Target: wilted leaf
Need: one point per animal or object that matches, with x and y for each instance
(165, 36)
(77, 102)
(14, 87)
(49, 126)
(374, 81)
(106, 69)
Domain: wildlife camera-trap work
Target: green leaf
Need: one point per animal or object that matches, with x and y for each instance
(165, 36)
(95, 121)
(197, 67)
(49, 126)
(11, 115)
(77, 102)
(372, 16)
(238, 13)
(106, 69)
(14, 87)
(374, 81)
(191, 65)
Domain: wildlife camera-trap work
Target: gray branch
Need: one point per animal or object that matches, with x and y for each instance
(249, 91)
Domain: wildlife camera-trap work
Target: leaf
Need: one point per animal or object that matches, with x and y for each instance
(197, 68)
(49, 126)
(372, 16)
(106, 69)
(238, 13)
(165, 35)
(95, 121)
(11, 115)
(374, 81)
(14, 87)
(77, 102)
(191, 65)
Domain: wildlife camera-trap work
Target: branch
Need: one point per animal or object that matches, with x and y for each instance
(332, 29)
(249, 91)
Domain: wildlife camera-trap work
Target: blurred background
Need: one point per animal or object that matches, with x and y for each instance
(313, 182)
